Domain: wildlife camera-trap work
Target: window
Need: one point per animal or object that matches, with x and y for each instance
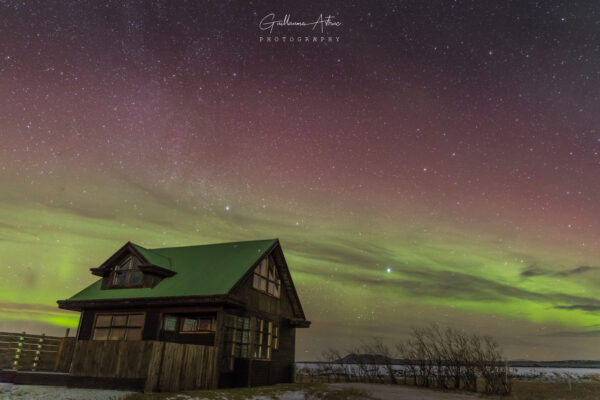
(127, 273)
(266, 279)
(237, 339)
(275, 337)
(198, 325)
(170, 323)
(263, 333)
(118, 327)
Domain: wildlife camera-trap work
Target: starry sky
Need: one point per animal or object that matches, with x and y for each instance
(437, 161)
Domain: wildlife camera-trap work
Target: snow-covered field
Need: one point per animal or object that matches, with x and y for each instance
(8, 391)
(296, 395)
(548, 374)
(551, 374)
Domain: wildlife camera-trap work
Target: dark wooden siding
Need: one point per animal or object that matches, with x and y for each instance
(205, 339)
(151, 325)
(86, 323)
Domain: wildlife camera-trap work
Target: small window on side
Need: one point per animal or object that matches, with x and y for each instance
(170, 323)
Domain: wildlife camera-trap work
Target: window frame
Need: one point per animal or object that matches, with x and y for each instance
(275, 337)
(262, 339)
(211, 330)
(262, 280)
(237, 339)
(126, 326)
(126, 269)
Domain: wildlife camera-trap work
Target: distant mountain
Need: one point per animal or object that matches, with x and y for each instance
(353, 358)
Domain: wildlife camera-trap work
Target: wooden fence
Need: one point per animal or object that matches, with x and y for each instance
(164, 367)
(26, 352)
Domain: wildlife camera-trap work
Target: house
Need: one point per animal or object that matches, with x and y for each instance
(234, 301)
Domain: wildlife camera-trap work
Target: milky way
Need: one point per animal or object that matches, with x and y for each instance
(439, 162)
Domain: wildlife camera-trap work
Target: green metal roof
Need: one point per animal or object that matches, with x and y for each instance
(204, 270)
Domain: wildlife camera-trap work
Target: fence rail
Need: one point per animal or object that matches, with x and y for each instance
(28, 352)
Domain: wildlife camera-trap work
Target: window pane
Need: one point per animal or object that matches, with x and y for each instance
(170, 324)
(271, 289)
(134, 334)
(103, 320)
(100, 334)
(244, 351)
(119, 278)
(263, 284)
(205, 325)
(189, 325)
(117, 334)
(125, 264)
(119, 320)
(136, 263)
(277, 290)
(135, 320)
(136, 277)
(271, 273)
(256, 282)
(264, 264)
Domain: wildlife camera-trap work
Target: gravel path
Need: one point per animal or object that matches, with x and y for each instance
(399, 392)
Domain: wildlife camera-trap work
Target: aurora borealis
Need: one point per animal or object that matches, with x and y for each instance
(441, 163)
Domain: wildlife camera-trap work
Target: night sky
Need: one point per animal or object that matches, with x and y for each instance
(440, 163)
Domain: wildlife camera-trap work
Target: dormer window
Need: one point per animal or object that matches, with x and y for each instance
(266, 278)
(127, 274)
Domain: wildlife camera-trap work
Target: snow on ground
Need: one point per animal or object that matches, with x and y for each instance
(296, 395)
(8, 391)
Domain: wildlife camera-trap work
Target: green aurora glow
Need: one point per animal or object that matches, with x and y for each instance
(341, 276)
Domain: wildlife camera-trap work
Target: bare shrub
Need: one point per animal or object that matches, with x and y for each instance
(431, 357)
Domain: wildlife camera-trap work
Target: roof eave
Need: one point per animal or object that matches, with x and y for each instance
(300, 323)
(79, 305)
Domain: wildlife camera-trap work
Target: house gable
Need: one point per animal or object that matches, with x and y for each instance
(287, 304)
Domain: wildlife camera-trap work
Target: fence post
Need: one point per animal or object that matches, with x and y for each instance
(38, 351)
(18, 352)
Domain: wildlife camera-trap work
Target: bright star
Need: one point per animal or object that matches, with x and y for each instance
(226, 208)
(389, 270)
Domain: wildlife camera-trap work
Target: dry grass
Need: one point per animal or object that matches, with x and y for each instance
(522, 390)
(536, 390)
(311, 391)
